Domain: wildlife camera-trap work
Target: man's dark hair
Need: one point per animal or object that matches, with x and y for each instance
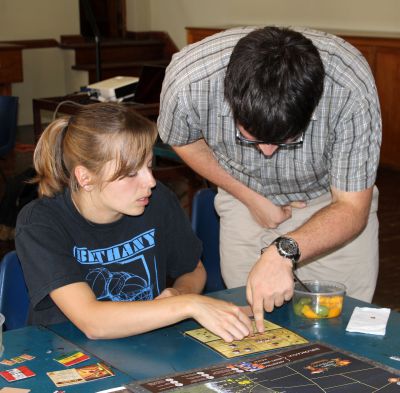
(273, 83)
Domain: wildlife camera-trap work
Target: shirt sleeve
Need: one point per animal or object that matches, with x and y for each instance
(356, 149)
(178, 121)
(46, 259)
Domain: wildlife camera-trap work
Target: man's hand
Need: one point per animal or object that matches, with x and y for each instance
(270, 284)
(269, 215)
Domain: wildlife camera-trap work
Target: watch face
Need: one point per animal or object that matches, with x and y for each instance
(288, 246)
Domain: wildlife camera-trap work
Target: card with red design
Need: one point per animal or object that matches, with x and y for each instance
(15, 374)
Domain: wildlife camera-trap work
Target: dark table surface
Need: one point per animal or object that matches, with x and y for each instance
(168, 350)
(46, 345)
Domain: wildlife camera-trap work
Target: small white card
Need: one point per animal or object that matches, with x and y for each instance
(369, 320)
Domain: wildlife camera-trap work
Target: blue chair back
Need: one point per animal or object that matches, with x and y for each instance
(14, 298)
(8, 123)
(205, 223)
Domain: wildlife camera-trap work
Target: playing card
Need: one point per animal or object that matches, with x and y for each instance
(72, 358)
(15, 374)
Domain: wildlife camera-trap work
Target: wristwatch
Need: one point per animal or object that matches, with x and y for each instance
(288, 248)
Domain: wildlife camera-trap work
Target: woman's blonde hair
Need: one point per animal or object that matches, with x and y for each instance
(97, 134)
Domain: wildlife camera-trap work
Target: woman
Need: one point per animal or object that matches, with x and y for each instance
(98, 245)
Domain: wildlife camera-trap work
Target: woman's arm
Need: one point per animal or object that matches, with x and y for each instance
(106, 319)
(192, 282)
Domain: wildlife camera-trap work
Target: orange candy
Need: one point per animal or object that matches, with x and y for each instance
(332, 305)
(334, 312)
(308, 312)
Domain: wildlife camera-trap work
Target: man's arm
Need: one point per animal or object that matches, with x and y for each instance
(270, 281)
(200, 158)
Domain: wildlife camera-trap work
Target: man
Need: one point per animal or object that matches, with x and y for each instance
(287, 124)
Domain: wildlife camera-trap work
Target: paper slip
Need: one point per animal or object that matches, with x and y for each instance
(369, 320)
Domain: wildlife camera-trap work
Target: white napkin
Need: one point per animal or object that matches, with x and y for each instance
(369, 320)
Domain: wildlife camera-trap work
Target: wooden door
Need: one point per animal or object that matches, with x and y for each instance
(388, 83)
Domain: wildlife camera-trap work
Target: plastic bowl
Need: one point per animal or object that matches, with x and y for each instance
(324, 301)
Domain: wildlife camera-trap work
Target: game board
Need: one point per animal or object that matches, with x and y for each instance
(273, 337)
(309, 369)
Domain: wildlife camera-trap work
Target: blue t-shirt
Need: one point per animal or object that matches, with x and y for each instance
(126, 260)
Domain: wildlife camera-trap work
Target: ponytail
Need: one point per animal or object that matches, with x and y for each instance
(51, 175)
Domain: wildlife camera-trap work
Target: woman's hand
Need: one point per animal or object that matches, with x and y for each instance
(224, 319)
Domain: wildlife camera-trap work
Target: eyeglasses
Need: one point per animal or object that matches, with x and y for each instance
(295, 143)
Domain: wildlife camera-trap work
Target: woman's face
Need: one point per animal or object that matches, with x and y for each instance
(128, 195)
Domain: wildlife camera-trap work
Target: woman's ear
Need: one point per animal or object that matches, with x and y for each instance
(83, 177)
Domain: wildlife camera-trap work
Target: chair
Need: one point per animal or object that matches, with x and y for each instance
(205, 223)
(14, 298)
(8, 125)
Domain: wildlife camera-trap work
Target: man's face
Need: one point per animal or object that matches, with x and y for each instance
(267, 149)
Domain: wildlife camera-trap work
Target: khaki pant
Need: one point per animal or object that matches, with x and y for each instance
(241, 239)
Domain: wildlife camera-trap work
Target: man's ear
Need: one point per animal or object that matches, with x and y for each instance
(84, 177)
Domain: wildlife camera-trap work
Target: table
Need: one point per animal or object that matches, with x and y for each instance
(168, 350)
(46, 345)
(70, 104)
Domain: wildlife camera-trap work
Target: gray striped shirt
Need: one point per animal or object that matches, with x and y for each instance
(341, 145)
